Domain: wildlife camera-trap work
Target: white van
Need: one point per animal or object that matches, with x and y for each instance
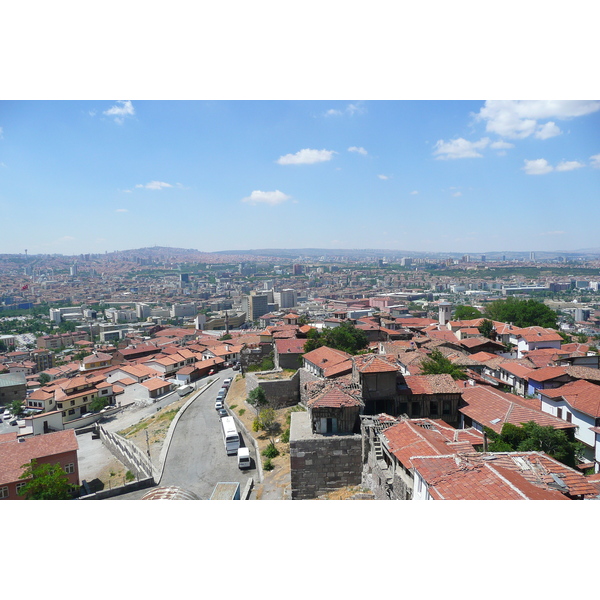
(227, 382)
(243, 456)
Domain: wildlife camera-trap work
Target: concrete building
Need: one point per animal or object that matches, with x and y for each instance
(255, 305)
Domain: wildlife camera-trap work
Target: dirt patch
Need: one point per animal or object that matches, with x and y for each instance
(150, 433)
(278, 478)
(111, 476)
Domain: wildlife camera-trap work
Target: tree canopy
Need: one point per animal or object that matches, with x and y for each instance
(522, 313)
(533, 437)
(257, 398)
(46, 482)
(486, 328)
(345, 337)
(466, 313)
(436, 363)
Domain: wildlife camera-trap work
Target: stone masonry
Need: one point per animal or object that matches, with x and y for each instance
(321, 463)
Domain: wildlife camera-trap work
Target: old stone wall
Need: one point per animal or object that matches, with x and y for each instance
(321, 463)
(279, 392)
(305, 378)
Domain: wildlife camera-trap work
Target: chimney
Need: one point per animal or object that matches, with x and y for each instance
(485, 442)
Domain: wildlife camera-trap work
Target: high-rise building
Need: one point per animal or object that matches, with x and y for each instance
(255, 306)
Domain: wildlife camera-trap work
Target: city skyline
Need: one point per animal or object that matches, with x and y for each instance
(455, 176)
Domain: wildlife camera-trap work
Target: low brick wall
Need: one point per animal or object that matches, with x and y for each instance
(322, 463)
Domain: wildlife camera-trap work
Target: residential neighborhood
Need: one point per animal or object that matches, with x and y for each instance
(386, 391)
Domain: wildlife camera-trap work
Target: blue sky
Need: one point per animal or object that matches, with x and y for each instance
(460, 176)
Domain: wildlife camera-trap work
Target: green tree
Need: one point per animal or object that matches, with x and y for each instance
(522, 313)
(466, 313)
(257, 398)
(97, 404)
(225, 336)
(345, 337)
(436, 363)
(45, 482)
(268, 423)
(16, 407)
(486, 328)
(533, 437)
(44, 378)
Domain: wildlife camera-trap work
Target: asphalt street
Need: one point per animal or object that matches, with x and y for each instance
(196, 460)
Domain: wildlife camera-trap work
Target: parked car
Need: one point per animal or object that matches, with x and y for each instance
(223, 413)
(227, 382)
(218, 405)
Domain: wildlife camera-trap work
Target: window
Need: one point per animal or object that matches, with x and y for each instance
(403, 408)
(569, 417)
(20, 487)
(4, 491)
(447, 407)
(72, 411)
(433, 408)
(72, 402)
(559, 413)
(415, 409)
(70, 468)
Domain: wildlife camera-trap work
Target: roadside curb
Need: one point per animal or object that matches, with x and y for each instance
(167, 442)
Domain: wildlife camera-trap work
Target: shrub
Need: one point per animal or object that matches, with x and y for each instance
(241, 411)
(129, 476)
(270, 451)
(268, 465)
(285, 436)
(256, 425)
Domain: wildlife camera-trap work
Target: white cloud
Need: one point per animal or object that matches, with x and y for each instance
(414, 193)
(355, 108)
(547, 130)
(538, 166)
(306, 157)
(595, 161)
(358, 149)
(154, 185)
(552, 233)
(519, 118)
(457, 194)
(501, 145)
(1, 131)
(123, 109)
(272, 198)
(383, 176)
(569, 165)
(121, 210)
(459, 148)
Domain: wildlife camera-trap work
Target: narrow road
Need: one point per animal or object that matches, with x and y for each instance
(196, 460)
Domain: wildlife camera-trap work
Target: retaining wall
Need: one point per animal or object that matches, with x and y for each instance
(280, 393)
(128, 453)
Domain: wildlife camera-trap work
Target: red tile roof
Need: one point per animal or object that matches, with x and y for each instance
(580, 395)
(333, 398)
(432, 384)
(501, 476)
(492, 408)
(14, 454)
